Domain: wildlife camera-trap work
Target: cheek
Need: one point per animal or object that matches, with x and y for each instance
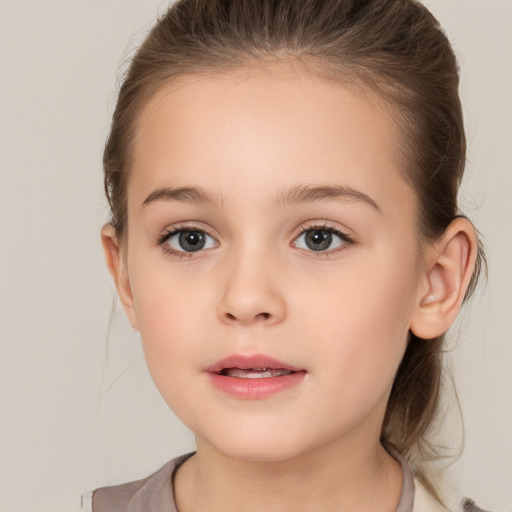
(176, 316)
(167, 321)
(163, 310)
(170, 343)
(365, 318)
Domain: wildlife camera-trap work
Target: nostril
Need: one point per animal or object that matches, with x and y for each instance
(263, 316)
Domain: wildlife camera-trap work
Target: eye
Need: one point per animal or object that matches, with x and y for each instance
(322, 238)
(187, 240)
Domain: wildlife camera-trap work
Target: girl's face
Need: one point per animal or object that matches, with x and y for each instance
(268, 223)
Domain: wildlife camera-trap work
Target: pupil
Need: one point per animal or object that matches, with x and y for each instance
(318, 240)
(192, 240)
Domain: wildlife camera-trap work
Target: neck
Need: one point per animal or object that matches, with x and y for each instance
(333, 477)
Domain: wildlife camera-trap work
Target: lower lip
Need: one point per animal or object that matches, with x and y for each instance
(255, 389)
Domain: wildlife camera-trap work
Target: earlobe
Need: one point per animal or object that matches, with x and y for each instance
(117, 269)
(450, 264)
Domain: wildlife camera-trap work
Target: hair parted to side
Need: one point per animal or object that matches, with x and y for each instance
(393, 49)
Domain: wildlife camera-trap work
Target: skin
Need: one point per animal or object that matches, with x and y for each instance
(343, 314)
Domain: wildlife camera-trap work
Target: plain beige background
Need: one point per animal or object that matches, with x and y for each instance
(75, 415)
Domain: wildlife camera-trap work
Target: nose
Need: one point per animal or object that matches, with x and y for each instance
(250, 293)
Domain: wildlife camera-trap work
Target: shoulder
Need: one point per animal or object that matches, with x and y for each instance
(153, 493)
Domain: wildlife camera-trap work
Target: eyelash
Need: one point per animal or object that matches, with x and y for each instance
(167, 249)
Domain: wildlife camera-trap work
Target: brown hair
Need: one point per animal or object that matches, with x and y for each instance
(394, 49)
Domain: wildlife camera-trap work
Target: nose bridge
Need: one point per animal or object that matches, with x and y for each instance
(250, 291)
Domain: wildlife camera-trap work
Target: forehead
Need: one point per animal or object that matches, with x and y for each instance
(254, 130)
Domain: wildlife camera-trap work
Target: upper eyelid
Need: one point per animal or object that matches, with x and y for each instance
(324, 224)
(176, 228)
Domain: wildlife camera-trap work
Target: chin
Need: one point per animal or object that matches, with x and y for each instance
(257, 447)
(261, 454)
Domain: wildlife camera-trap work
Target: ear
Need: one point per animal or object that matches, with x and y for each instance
(117, 269)
(449, 266)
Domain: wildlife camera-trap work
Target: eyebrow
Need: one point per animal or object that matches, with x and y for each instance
(289, 196)
(194, 195)
(311, 193)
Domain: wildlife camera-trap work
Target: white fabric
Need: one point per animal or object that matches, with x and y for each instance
(424, 501)
(86, 502)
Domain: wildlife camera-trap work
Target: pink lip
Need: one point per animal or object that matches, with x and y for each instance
(253, 389)
(247, 362)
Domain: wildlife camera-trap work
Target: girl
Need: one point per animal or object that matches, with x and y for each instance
(285, 237)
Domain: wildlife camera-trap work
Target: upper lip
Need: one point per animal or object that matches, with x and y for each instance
(254, 362)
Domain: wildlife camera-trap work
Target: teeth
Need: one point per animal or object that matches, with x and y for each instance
(254, 373)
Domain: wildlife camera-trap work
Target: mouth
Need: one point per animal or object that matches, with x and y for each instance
(255, 366)
(254, 373)
(253, 377)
